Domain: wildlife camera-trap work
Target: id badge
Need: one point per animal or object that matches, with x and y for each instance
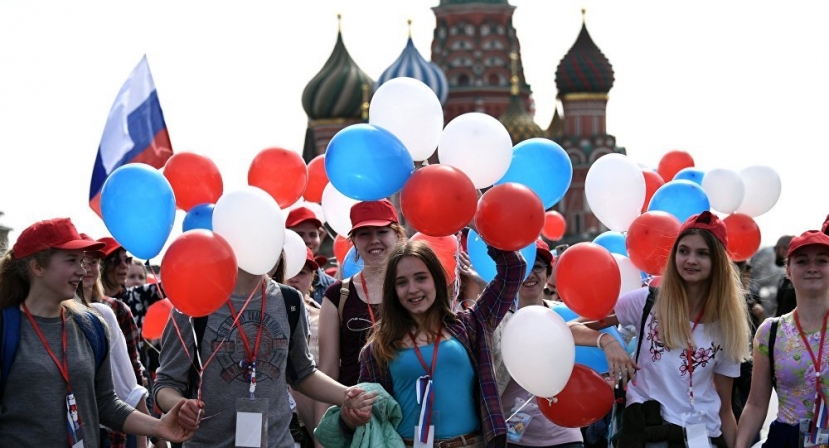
(73, 423)
(251, 422)
(696, 432)
(430, 441)
(517, 426)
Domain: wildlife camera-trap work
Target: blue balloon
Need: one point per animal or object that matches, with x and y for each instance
(138, 207)
(614, 242)
(592, 357)
(681, 198)
(199, 217)
(484, 265)
(367, 163)
(695, 175)
(543, 166)
(351, 265)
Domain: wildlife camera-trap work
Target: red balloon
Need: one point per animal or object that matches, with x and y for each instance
(445, 248)
(588, 280)
(438, 200)
(649, 240)
(652, 183)
(280, 172)
(341, 247)
(156, 319)
(199, 272)
(743, 236)
(656, 280)
(673, 162)
(317, 179)
(586, 398)
(195, 179)
(554, 225)
(509, 216)
(151, 278)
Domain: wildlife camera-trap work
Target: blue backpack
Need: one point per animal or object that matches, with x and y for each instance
(10, 332)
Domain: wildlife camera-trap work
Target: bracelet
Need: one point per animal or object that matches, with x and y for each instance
(599, 340)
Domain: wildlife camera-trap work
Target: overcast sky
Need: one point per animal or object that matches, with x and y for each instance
(733, 83)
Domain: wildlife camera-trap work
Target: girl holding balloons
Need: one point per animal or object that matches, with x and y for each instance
(52, 392)
(791, 357)
(423, 352)
(695, 337)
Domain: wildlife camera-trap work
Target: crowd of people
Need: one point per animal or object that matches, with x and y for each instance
(396, 355)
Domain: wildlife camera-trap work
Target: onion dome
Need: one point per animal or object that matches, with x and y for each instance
(520, 125)
(337, 90)
(584, 69)
(411, 64)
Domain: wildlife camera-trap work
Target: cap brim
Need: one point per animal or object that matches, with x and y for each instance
(312, 263)
(795, 249)
(316, 222)
(545, 255)
(84, 245)
(371, 223)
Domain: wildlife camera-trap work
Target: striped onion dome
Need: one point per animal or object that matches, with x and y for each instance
(411, 64)
(337, 90)
(584, 69)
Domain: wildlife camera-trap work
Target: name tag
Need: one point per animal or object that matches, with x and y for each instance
(251, 423)
(430, 441)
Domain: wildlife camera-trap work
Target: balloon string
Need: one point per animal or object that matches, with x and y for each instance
(522, 407)
(457, 282)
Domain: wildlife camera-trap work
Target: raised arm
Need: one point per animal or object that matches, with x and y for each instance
(500, 293)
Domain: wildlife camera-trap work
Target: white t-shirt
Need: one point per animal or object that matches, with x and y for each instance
(663, 374)
(123, 376)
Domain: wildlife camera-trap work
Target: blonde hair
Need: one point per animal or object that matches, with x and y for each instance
(724, 304)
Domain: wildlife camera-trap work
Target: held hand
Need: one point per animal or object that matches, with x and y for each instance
(189, 414)
(172, 426)
(621, 366)
(356, 409)
(354, 418)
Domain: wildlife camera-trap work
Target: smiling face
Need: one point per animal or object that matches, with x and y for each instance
(136, 275)
(62, 274)
(93, 270)
(415, 286)
(310, 234)
(373, 244)
(533, 286)
(808, 270)
(693, 259)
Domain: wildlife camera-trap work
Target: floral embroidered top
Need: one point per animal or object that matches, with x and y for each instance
(664, 371)
(793, 368)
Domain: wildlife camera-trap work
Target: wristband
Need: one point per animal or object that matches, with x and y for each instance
(599, 340)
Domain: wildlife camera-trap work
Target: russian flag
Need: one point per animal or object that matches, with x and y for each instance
(135, 131)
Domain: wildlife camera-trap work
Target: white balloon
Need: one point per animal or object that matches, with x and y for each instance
(478, 145)
(411, 111)
(762, 190)
(251, 221)
(631, 278)
(337, 209)
(615, 191)
(295, 253)
(724, 188)
(538, 350)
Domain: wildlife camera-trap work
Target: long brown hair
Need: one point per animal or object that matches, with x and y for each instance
(107, 267)
(724, 303)
(14, 276)
(395, 321)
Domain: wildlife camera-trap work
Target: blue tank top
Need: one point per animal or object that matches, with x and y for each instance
(455, 411)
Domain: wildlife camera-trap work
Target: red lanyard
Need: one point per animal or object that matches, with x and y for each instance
(816, 361)
(689, 356)
(62, 367)
(368, 301)
(251, 355)
(429, 371)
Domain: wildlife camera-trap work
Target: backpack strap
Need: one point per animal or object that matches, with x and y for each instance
(345, 290)
(772, 337)
(645, 311)
(294, 306)
(8, 346)
(95, 333)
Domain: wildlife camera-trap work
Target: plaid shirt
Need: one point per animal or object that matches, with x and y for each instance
(473, 328)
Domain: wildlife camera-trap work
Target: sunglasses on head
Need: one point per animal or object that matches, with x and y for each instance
(116, 260)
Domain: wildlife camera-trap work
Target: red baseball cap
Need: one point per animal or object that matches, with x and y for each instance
(542, 250)
(110, 245)
(300, 215)
(58, 233)
(372, 213)
(310, 260)
(808, 238)
(97, 253)
(825, 228)
(710, 222)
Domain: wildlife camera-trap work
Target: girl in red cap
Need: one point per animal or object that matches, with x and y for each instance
(691, 344)
(351, 307)
(790, 357)
(52, 394)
